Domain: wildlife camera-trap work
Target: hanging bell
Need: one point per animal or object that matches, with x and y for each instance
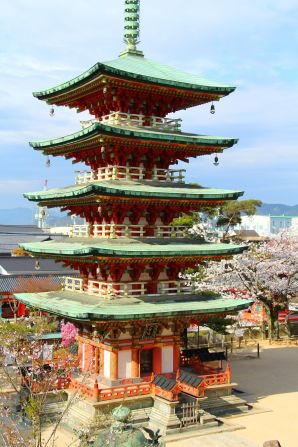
(52, 111)
(103, 152)
(216, 161)
(212, 109)
(37, 265)
(48, 162)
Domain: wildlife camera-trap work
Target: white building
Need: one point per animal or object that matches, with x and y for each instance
(269, 225)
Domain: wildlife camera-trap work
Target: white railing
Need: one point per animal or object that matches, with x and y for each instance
(175, 288)
(130, 173)
(129, 231)
(73, 284)
(110, 290)
(135, 120)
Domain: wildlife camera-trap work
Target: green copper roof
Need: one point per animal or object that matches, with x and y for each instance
(142, 133)
(138, 68)
(138, 189)
(131, 247)
(81, 306)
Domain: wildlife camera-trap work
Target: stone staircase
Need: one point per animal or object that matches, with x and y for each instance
(225, 405)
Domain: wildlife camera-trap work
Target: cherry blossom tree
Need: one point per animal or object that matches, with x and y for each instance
(69, 333)
(31, 372)
(266, 273)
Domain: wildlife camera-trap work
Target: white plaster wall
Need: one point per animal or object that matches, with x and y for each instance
(126, 277)
(167, 359)
(124, 336)
(163, 276)
(106, 363)
(124, 364)
(166, 332)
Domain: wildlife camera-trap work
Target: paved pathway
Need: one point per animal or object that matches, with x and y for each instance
(215, 440)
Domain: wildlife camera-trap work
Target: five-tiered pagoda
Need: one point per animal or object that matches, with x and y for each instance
(128, 303)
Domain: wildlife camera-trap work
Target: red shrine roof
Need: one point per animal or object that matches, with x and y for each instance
(95, 135)
(133, 68)
(81, 306)
(135, 189)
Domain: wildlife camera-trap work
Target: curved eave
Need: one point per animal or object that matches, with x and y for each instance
(146, 190)
(98, 129)
(103, 69)
(132, 248)
(74, 306)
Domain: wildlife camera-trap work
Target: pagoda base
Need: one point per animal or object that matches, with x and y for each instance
(163, 416)
(83, 411)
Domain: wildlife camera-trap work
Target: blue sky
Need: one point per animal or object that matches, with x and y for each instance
(251, 44)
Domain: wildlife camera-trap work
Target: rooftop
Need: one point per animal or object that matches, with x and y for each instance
(25, 264)
(31, 283)
(12, 235)
(137, 68)
(81, 306)
(21, 229)
(98, 128)
(132, 247)
(128, 188)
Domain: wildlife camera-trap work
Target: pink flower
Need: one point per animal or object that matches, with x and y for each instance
(68, 333)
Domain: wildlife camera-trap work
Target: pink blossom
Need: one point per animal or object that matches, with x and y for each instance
(68, 333)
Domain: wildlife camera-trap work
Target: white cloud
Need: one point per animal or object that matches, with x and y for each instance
(252, 44)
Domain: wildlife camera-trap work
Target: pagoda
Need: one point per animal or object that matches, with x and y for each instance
(128, 303)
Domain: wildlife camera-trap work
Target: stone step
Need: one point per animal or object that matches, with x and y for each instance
(208, 419)
(140, 416)
(225, 405)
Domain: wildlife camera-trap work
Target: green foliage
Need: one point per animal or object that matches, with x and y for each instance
(230, 213)
(186, 220)
(199, 272)
(189, 220)
(12, 333)
(219, 324)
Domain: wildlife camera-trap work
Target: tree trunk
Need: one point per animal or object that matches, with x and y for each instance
(272, 316)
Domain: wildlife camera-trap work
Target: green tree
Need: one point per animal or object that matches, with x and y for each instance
(230, 213)
(32, 372)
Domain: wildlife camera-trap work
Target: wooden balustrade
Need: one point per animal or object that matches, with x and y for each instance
(130, 173)
(126, 289)
(137, 120)
(117, 392)
(218, 378)
(129, 389)
(129, 231)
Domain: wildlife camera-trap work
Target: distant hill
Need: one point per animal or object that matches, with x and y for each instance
(277, 209)
(25, 216)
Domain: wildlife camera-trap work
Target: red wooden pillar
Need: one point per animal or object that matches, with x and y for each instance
(113, 365)
(157, 359)
(135, 363)
(176, 357)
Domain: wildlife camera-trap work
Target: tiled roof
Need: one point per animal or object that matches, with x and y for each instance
(140, 69)
(13, 283)
(21, 229)
(81, 306)
(132, 247)
(164, 383)
(135, 189)
(142, 133)
(190, 379)
(25, 264)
